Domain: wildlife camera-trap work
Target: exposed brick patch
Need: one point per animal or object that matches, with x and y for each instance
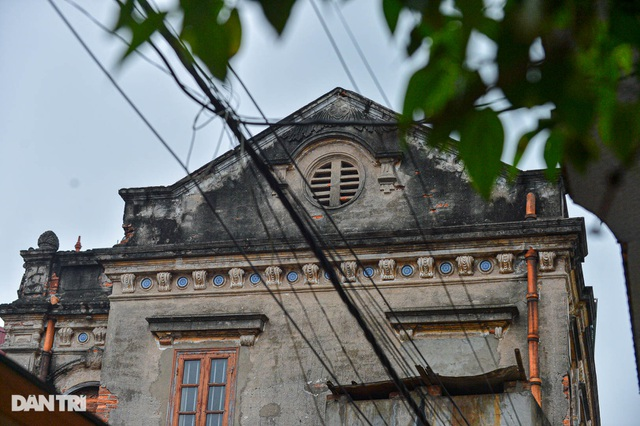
(565, 389)
(129, 232)
(105, 402)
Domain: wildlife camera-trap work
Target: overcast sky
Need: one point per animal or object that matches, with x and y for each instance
(68, 140)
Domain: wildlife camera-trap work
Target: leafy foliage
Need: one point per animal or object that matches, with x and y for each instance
(573, 55)
(578, 56)
(210, 29)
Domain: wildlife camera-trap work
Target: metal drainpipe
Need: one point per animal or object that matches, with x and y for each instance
(533, 335)
(46, 350)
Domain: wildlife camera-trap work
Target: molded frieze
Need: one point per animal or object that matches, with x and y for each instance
(426, 265)
(273, 275)
(465, 265)
(387, 269)
(99, 333)
(236, 275)
(164, 281)
(64, 336)
(127, 281)
(505, 262)
(311, 273)
(349, 271)
(199, 280)
(547, 261)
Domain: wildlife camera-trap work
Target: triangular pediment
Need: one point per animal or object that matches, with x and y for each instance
(341, 164)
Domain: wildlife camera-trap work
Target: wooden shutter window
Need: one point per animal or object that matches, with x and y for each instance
(204, 388)
(335, 182)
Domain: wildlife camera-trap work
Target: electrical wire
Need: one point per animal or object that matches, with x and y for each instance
(319, 236)
(212, 208)
(334, 44)
(363, 57)
(335, 123)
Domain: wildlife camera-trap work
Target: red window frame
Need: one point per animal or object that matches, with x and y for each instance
(205, 357)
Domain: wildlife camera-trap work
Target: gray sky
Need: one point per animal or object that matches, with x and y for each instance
(68, 141)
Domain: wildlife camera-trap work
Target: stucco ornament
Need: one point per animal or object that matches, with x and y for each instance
(199, 280)
(349, 271)
(387, 269)
(387, 178)
(247, 340)
(48, 241)
(99, 334)
(236, 275)
(505, 262)
(405, 334)
(465, 265)
(547, 261)
(64, 336)
(311, 273)
(127, 282)
(426, 266)
(164, 281)
(273, 275)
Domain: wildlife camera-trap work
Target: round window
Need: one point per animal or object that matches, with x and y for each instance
(335, 182)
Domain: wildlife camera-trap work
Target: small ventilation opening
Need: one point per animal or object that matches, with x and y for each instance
(335, 183)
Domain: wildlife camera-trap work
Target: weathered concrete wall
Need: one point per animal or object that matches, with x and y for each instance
(503, 409)
(415, 213)
(418, 189)
(279, 380)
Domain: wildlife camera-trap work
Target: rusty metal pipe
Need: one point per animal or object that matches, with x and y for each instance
(533, 335)
(46, 350)
(530, 212)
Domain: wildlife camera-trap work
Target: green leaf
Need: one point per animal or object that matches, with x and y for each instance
(626, 132)
(125, 17)
(553, 153)
(523, 143)
(480, 147)
(141, 27)
(392, 9)
(625, 22)
(141, 32)
(623, 56)
(430, 88)
(416, 38)
(277, 12)
(213, 32)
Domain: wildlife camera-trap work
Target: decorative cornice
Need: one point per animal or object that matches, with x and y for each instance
(485, 319)
(243, 326)
(547, 231)
(388, 270)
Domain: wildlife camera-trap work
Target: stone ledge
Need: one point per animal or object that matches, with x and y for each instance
(243, 326)
(492, 318)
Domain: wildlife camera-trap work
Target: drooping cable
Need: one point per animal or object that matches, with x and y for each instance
(207, 200)
(363, 57)
(334, 45)
(273, 183)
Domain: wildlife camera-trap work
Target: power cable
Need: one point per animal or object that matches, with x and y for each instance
(360, 52)
(264, 170)
(334, 44)
(351, 250)
(211, 207)
(387, 123)
(381, 333)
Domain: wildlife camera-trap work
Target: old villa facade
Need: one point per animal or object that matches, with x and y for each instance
(213, 310)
